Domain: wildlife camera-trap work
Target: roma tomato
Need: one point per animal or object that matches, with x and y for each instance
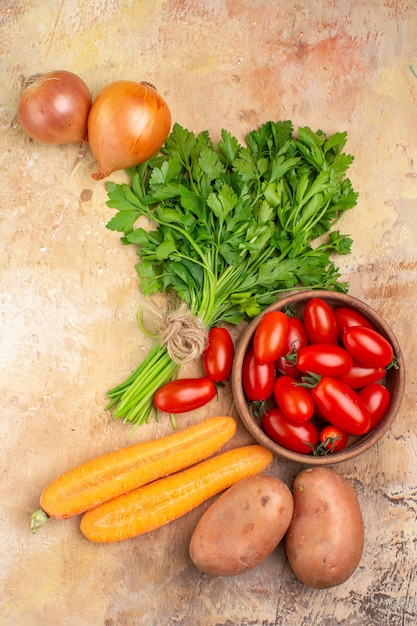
(299, 438)
(376, 399)
(368, 346)
(360, 375)
(270, 336)
(296, 339)
(324, 359)
(257, 378)
(332, 439)
(341, 406)
(346, 317)
(294, 401)
(184, 394)
(218, 355)
(320, 322)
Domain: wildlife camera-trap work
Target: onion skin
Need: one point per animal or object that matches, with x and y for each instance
(53, 108)
(127, 124)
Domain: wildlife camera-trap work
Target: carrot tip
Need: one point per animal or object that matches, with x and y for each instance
(38, 519)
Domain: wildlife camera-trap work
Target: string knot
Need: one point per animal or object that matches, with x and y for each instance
(183, 334)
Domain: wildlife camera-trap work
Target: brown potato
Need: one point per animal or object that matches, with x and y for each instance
(242, 527)
(325, 539)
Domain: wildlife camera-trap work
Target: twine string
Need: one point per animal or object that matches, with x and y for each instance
(183, 334)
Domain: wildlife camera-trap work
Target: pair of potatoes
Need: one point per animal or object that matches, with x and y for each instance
(321, 521)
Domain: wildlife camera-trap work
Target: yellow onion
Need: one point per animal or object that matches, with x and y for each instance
(54, 107)
(127, 124)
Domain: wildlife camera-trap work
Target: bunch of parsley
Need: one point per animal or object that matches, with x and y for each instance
(232, 227)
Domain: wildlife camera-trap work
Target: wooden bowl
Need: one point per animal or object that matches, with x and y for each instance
(395, 380)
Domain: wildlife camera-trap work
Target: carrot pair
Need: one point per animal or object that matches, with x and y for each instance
(140, 487)
(110, 475)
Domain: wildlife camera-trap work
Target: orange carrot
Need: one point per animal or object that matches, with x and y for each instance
(163, 501)
(112, 474)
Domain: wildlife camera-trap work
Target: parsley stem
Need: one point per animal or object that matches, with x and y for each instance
(135, 400)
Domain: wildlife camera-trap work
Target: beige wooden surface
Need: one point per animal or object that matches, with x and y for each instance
(69, 293)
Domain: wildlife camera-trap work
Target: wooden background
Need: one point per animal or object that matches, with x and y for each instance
(69, 293)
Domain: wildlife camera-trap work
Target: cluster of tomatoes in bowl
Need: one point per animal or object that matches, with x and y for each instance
(315, 380)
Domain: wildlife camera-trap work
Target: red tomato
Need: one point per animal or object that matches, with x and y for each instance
(296, 437)
(346, 317)
(332, 439)
(257, 378)
(218, 355)
(360, 375)
(270, 336)
(341, 406)
(324, 359)
(296, 338)
(376, 399)
(368, 346)
(294, 401)
(320, 322)
(184, 394)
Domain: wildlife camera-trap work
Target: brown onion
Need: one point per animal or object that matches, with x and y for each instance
(54, 107)
(127, 124)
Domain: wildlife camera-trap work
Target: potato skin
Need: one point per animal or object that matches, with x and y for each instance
(242, 527)
(325, 540)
